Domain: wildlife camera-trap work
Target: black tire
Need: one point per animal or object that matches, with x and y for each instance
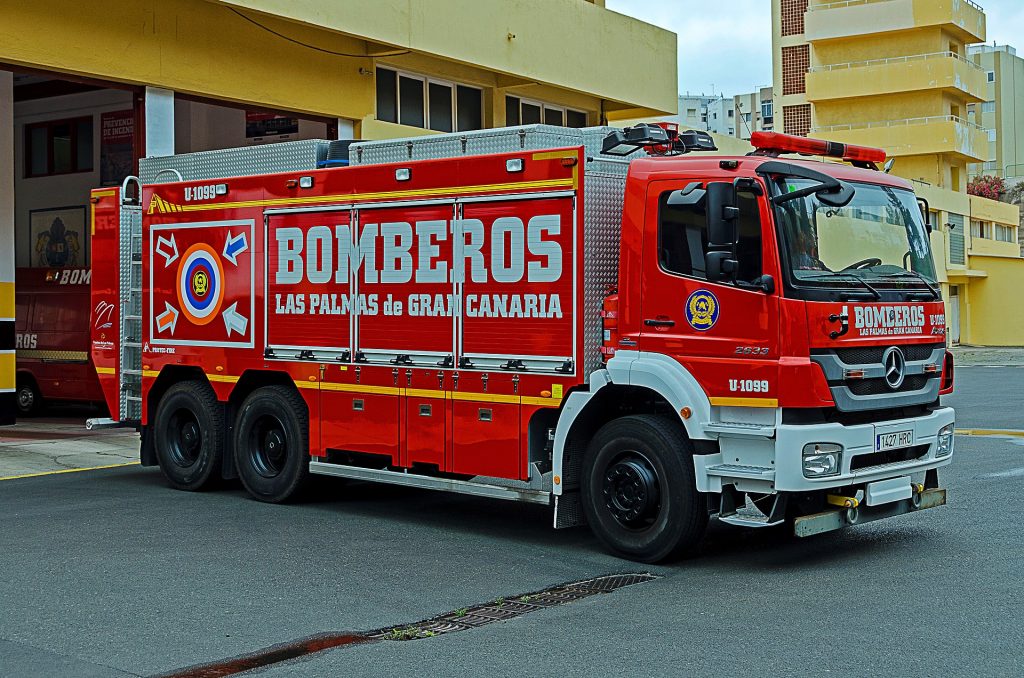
(638, 489)
(27, 397)
(272, 444)
(189, 436)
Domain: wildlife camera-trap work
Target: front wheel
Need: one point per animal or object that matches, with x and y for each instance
(638, 489)
(28, 398)
(272, 444)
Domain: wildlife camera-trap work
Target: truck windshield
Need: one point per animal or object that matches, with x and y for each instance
(879, 237)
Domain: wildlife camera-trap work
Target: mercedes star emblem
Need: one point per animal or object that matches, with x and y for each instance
(895, 364)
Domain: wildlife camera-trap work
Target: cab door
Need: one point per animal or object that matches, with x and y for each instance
(725, 335)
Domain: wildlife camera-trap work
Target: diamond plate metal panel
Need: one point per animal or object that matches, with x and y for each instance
(293, 156)
(481, 142)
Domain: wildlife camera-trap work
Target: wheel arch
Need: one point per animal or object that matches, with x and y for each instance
(632, 383)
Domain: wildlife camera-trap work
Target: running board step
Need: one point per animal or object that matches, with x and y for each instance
(431, 483)
(749, 520)
(738, 429)
(741, 471)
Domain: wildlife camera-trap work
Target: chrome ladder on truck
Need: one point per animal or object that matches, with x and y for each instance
(130, 279)
(130, 286)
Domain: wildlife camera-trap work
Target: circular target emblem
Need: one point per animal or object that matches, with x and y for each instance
(200, 284)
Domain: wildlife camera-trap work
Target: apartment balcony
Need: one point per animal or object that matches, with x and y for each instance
(947, 71)
(850, 18)
(945, 134)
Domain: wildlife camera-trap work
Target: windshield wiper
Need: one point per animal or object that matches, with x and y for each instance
(845, 276)
(936, 294)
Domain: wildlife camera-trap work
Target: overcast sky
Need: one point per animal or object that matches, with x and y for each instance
(726, 46)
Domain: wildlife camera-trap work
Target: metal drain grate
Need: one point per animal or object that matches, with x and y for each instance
(464, 619)
(504, 609)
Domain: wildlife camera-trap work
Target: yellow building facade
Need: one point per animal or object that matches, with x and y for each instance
(362, 69)
(896, 74)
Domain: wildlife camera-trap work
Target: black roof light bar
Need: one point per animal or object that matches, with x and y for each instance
(657, 139)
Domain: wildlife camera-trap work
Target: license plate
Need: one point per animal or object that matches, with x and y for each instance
(893, 440)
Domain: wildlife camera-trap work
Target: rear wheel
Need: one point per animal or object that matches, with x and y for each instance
(189, 435)
(28, 398)
(638, 489)
(272, 444)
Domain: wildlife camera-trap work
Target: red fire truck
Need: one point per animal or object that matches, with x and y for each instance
(52, 337)
(604, 321)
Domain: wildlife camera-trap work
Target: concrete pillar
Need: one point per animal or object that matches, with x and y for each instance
(7, 359)
(159, 116)
(346, 129)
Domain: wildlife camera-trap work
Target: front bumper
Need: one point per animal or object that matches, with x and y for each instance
(828, 521)
(769, 460)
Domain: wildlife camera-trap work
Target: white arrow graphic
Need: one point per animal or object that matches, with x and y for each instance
(234, 321)
(167, 319)
(234, 246)
(168, 255)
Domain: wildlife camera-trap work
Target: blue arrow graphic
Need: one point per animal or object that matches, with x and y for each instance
(234, 246)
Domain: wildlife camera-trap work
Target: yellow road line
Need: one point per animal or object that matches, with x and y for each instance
(67, 470)
(994, 432)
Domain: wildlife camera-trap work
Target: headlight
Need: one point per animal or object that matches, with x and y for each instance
(822, 460)
(944, 442)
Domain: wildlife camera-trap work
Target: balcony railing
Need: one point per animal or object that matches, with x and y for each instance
(904, 122)
(851, 3)
(895, 60)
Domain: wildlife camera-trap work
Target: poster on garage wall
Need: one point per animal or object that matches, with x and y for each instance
(117, 131)
(58, 237)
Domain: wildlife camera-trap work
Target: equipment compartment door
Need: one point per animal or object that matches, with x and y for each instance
(725, 335)
(515, 266)
(486, 437)
(426, 415)
(309, 307)
(360, 420)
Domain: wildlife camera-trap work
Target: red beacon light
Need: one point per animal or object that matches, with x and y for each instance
(774, 144)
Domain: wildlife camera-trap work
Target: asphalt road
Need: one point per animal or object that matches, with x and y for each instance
(109, 573)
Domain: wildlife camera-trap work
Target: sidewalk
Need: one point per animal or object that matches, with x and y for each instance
(976, 356)
(46, 444)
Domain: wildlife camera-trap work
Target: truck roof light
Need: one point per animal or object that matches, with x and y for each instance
(773, 144)
(663, 138)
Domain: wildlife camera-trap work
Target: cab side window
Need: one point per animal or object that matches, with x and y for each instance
(683, 238)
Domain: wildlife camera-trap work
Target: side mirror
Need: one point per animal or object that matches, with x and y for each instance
(691, 196)
(722, 213)
(721, 266)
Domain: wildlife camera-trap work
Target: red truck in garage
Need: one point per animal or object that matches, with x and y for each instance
(603, 321)
(52, 338)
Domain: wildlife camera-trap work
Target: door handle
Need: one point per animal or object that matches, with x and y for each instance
(659, 323)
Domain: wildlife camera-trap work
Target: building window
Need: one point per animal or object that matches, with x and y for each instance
(1004, 233)
(793, 17)
(418, 101)
(991, 134)
(988, 107)
(58, 147)
(796, 60)
(519, 111)
(766, 111)
(796, 119)
(991, 76)
(981, 229)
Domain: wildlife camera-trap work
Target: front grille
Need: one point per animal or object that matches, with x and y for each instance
(873, 354)
(888, 457)
(869, 387)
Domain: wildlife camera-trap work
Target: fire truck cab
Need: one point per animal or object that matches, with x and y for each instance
(604, 321)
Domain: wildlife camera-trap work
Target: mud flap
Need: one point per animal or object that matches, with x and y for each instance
(819, 523)
(569, 510)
